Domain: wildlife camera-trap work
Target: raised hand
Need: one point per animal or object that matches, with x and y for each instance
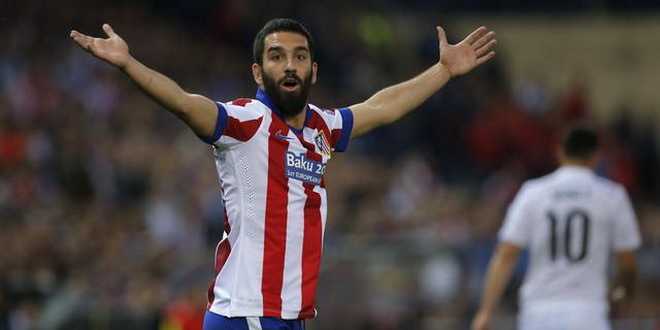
(473, 51)
(113, 49)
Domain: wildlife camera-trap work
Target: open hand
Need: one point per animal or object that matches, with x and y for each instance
(113, 49)
(464, 56)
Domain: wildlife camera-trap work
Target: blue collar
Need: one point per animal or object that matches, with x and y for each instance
(263, 97)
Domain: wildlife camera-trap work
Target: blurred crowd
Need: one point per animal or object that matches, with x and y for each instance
(110, 210)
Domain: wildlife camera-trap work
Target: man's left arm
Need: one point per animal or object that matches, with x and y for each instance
(497, 278)
(626, 241)
(392, 103)
(623, 287)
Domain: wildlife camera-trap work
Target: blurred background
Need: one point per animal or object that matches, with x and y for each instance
(109, 206)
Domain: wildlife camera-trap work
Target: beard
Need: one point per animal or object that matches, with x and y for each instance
(289, 103)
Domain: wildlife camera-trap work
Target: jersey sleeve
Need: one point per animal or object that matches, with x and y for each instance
(236, 123)
(517, 225)
(341, 128)
(626, 231)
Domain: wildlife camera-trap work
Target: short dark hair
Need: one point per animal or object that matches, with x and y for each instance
(580, 142)
(279, 25)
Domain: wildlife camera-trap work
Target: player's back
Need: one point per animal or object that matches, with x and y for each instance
(569, 220)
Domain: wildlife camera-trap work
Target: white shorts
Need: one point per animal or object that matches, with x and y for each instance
(564, 316)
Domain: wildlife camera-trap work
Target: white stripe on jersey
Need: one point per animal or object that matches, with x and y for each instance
(291, 298)
(324, 211)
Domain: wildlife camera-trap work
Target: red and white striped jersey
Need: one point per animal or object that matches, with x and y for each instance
(271, 178)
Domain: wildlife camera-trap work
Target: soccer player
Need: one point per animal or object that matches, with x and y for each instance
(570, 221)
(271, 153)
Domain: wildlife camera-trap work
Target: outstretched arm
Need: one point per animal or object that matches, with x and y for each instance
(197, 111)
(391, 103)
(499, 273)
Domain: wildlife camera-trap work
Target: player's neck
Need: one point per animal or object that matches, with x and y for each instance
(297, 121)
(576, 163)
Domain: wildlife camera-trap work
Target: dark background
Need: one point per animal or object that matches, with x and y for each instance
(109, 206)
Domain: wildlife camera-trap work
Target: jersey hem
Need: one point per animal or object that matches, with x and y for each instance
(258, 312)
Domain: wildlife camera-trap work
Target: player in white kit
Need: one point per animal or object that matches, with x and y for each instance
(571, 221)
(271, 153)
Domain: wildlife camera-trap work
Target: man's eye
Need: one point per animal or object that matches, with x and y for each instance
(275, 57)
(302, 57)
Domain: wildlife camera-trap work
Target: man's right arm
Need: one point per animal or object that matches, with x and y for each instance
(199, 112)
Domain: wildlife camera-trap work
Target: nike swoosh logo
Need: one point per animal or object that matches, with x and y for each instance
(283, 137)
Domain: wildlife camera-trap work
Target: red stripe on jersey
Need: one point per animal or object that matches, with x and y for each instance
(241, 130)
(227, 226)
(275, 222)
(316, 121)
(335, 136)
(312, 243)
(221, 255)
(241, 101)
(311, 255)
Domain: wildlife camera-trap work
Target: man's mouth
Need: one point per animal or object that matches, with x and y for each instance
(290, 84)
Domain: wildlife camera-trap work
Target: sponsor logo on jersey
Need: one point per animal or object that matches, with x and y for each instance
(300, 168)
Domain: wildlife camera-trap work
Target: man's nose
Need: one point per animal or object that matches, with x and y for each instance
(290, 67)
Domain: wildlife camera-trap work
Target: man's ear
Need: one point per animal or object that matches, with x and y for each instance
(315, 70)
(256, 74)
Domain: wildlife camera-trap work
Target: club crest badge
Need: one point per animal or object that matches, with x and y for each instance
(322, 144)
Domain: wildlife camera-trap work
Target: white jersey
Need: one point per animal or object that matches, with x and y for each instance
(271, 179)
(570, 220)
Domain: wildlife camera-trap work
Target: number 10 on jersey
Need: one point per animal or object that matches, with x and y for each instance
(576, 222)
